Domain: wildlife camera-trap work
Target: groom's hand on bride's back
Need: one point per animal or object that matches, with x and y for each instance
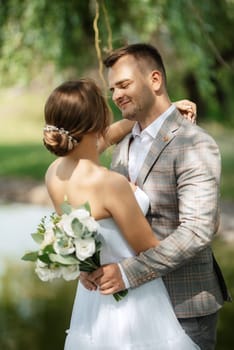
(108, 278)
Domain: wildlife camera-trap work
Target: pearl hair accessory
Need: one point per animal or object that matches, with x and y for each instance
(60, 130)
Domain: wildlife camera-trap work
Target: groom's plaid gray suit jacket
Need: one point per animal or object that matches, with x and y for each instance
(181, 175)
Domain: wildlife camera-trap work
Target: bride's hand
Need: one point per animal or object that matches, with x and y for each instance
(188, 109)
(108, 278)
(87, 283)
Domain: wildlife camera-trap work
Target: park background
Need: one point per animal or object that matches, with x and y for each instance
(43, 43)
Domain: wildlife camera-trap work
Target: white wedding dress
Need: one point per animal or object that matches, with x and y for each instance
(142, 320)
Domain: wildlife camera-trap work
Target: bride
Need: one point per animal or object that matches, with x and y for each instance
(77, 128)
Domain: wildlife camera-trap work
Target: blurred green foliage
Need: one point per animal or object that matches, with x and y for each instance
(225, 140)
(224, 253)
(33, 314)
(57, 38)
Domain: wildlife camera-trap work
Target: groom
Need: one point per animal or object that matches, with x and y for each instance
(178, 165)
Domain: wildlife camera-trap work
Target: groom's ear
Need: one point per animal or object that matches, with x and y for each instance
(156, 80)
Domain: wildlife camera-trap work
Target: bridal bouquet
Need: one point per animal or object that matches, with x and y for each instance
(68, 244)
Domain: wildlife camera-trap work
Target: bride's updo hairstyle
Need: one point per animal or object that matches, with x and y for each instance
(72, 110)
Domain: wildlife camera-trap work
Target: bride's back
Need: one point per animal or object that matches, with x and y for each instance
(78, 182)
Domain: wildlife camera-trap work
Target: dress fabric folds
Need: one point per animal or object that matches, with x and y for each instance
(143, 320)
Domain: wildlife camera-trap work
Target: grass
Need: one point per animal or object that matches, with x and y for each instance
(29, 160)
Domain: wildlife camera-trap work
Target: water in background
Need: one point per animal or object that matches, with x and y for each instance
(17, 222)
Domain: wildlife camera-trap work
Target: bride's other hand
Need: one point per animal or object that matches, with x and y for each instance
(108, 278)
(188, 109)
(85, 280)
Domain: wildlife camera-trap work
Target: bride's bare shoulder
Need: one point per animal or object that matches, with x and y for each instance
(113, 180)
(51, 169)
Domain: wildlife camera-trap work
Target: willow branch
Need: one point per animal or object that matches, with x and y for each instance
(97, 44)
(108, 27)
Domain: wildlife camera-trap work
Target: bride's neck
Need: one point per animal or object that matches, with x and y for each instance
(86, 149)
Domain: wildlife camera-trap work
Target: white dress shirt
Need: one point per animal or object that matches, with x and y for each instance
(140, 146)
(142, 141)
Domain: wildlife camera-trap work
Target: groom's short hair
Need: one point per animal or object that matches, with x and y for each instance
(141, 52)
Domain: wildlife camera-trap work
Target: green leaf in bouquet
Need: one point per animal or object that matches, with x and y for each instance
(58, 231)
(41, 226)
(66, 208)
(89, 264)
(38, 237)
(48, 249)
(55, 218)
(86, 206)
(44, 258)
(86, 267)
(96, 256)
(64, 260)
(96, 259)
(98, 246)
(86, 233)
(120, 295)
(77, 227)
(32, 256)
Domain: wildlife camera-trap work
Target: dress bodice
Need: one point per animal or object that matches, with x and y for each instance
(114, 245)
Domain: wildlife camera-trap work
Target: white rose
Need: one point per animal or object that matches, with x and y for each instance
(80, 214)
(71, 272)
(65, 224)
(40, 263)
(64, 246)
(88, 224)
(49, 237)
(91, 224)
(84, 248)
(45, 273)
(66, 220)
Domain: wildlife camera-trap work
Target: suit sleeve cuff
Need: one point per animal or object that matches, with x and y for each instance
(124, 277)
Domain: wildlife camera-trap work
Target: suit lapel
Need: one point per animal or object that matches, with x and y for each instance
(166, 133)
(120, 156)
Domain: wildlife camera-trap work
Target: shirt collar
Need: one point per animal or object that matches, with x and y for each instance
(154, 127)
